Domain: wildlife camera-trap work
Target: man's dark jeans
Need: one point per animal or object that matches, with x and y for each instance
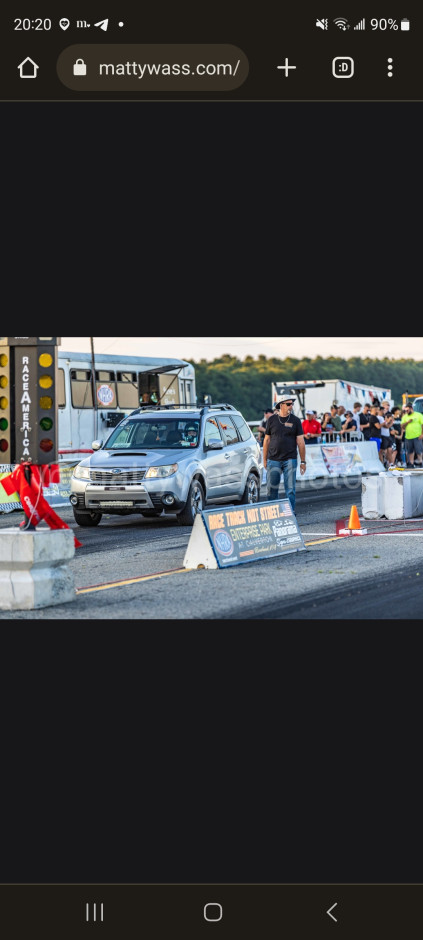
(277, 468)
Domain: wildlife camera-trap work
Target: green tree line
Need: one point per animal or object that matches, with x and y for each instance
(246, 383)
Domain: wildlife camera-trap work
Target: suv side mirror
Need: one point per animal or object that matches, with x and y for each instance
(215, 444)
(96, 445)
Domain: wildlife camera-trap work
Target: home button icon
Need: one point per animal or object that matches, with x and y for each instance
(213, 912)
(28, 68)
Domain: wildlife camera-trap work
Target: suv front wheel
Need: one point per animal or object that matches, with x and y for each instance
(193, 505)
(87, 518)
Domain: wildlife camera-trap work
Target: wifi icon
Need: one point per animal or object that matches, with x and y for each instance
(341, 23)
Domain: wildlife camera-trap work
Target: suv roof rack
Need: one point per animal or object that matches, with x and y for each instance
(223, 405)
(159, 407)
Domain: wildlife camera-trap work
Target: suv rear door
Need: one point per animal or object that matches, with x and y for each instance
(234, 453)
(216, 463)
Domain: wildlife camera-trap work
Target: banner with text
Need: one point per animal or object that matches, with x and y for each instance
(234, 535)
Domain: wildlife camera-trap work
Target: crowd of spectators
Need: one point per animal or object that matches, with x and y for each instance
(397, 432)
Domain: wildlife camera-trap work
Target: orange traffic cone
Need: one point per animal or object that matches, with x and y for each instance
(354, 527)
(354, 522)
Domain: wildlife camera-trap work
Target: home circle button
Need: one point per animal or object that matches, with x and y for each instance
(213, 912)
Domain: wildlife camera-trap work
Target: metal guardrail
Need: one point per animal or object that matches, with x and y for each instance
(340, 437)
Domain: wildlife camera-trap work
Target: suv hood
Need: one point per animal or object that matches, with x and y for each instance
(109, 459)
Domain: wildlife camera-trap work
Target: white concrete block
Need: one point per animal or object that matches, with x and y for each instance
(372, 506)
(33, 568)
(413, 494)
(393, 495)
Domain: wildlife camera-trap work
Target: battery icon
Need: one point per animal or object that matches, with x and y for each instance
(405, 24)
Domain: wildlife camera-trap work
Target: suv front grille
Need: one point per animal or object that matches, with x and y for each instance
(127, 476)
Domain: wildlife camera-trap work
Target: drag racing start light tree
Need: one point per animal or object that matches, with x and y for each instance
(32, 414)
(5, 383)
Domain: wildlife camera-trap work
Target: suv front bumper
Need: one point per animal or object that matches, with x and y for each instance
(103, 497)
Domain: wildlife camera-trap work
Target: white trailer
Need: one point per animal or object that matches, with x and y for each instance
(91, 402)
(320, 394)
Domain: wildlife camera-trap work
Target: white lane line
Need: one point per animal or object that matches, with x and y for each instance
(369, 532)
(325, 532)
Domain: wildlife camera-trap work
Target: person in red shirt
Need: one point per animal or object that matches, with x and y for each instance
(311, 428)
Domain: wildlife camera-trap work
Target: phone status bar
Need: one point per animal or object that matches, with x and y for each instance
(374, 24)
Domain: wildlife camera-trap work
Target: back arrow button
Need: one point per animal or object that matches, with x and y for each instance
(331, 909)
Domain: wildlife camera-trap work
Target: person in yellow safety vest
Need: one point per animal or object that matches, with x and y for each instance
(412, 421)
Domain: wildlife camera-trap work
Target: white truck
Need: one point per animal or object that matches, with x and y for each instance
(320, 394)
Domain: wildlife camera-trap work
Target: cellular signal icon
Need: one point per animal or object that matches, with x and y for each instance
(341, 23)
(361, 24)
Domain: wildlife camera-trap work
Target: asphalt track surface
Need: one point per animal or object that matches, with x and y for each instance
(131, 568)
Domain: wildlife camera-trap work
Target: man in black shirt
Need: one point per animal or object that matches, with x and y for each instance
(364, 422)
(284, 433)
(375, 426)
(397, 432)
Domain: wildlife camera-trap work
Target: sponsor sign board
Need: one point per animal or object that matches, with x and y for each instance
(239, 534)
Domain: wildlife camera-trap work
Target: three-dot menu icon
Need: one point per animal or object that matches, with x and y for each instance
(94, 913)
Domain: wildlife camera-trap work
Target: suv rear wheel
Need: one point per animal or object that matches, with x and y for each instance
(87, 518)
(193, 505)
(252, 490)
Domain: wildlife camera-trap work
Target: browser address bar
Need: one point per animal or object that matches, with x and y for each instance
(152, 67)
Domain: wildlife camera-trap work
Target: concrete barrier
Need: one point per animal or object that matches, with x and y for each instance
(393, 494)
(33, 568)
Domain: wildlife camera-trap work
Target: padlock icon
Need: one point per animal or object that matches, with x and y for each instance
(79, 67)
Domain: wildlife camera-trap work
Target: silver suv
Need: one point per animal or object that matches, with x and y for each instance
(169, 459)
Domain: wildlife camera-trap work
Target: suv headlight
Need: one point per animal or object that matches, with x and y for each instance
(82, 473)
(155, 472)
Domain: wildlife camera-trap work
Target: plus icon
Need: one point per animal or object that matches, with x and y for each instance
(286, 67)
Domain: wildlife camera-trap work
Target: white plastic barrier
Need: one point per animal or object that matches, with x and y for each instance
(338, 460)
(393, 494)
(57, 494)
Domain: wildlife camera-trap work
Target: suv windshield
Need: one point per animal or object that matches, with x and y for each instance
(154, 433)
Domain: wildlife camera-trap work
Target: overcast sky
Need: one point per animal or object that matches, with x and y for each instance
(202, 347)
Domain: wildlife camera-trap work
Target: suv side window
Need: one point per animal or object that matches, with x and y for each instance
(211, 431)
(242, 426)
(229, 430)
